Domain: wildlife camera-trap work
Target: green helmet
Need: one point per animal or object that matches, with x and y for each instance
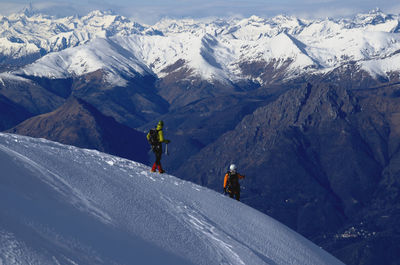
(160, 125)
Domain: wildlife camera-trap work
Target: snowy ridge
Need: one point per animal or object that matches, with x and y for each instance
(212, 49)
(21, 33)
(99, 54)
(61, 204)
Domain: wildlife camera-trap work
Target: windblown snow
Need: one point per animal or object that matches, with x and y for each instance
(212, 49)
(64, 205)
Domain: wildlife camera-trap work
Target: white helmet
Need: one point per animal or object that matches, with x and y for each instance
(232, 167)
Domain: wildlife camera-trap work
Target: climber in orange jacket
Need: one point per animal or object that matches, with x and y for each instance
(231, 182)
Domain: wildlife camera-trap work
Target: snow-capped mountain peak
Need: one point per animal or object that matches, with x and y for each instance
(375, 16)
(50, 34)
(99, 54)
(211, 49)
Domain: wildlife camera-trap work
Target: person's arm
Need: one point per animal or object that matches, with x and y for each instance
(241, 176)
(226, 179)
(148, 136)
(161, 137)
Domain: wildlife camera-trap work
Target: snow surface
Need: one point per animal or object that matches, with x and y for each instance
(64, 205)
(212, 49)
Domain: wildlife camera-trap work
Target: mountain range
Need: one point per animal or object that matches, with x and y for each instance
(219, 50)
(306, 108)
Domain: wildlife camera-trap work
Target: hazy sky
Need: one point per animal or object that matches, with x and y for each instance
(149, 11)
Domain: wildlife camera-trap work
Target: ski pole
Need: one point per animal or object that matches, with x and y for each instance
(166, 149)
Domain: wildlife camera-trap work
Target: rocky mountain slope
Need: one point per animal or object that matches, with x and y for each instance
(321, 159)
(80, 124)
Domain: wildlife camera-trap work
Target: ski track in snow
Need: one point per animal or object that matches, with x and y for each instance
(212, 235)
(177, 216)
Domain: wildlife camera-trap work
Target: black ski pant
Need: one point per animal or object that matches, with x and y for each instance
(235, 193)
(157, 149)
(158, 158)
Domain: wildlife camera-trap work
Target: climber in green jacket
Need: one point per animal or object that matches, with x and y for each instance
(156, 138)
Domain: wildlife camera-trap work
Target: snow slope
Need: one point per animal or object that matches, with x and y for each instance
(64, 205)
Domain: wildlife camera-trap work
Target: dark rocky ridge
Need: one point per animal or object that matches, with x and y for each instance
(11, 113)
(29, 95)
(132, 105)
(21, 99)
(318, 158)
(80, 124)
